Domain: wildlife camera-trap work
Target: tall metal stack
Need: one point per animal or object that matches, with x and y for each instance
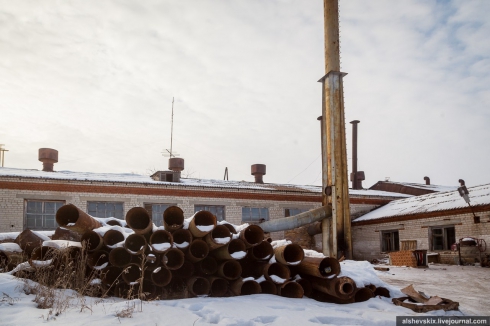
(183, 258)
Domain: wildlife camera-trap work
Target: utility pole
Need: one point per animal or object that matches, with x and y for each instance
(337, 240)
(2, 153)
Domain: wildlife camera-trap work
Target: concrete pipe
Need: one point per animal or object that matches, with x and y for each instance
(161, 276)
(185, 271)
(202, 223)
(230, 270)
(268, 287)
(173, 259)
(173, 218)
(219, 286)
(28, 241)
(318, 267)
(111, 275)
(291, 254)
(98, 259)
(239, 287)
(138, 219)
(363, 294)
(92, 241)
(182, 239)
(161, 241)
(207, 266)
(71, 217)
(277, 273)
(290, 289)
(235, 249)
(135, 244)
(120, 257)
(112, 237)
(306, 285)
(262, 251)
(252, 235)
(198, 286)
(382, 291)
(198, 250)
(132, 274)
(218, 237)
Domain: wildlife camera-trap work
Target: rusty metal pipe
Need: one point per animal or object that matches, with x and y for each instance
(202, 223)
(185, 271)
(112, 237)
(252, 268)
(306, 285)
(239, 287)
(173, 218)
(115, 222)
(268, 287)
(161, 241)
(290, 289)
(235, 249)
(218, 237)
(65, 234)
(138, 219)
(319, 267)
(161, 276)
(219, 286)
(111, 275)
(92, 240)
(207, 266)
(324, 297)
(28, 241)
(135, 244)
(71, 217)
(262, 251)
(198, 250)
(293, 222)
(355, 183)
(341, 287)
(182, 239)
(382, 291)
(120, 257)
(230, 270)
(173, 259)
(229, 226)
(314, 229)
(277, 273)
(252, 235)
(363, 294)
(132, 273)
(98, 259)
(198, 286)
(10, 255)
(43, 255)
(291, 254)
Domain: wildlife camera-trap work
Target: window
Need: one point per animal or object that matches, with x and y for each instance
(218, 211)
(156, 212)
(390, 241)
(255, 214)
(105, 209)
(293, 211)
(442, 237)
(41, 215)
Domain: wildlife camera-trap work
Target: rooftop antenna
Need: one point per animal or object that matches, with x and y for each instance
(2, 153)
(170, 153)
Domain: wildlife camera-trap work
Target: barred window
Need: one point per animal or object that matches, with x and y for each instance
(255, 214)
(41, 215)
(218, 211)
(105, 209)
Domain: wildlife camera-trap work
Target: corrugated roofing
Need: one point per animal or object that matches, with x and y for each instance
(440, 201)
(436, 188)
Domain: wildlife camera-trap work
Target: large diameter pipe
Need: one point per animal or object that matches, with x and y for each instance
(319, 267)
(314, 229)
(92, 241)
(43, 256)
(277, 273)
(235, 249)
(139, 220)
(173, 259)
(111, 275)
(10, 255)
(262, 251)
(120, 257)
(112, 237)
(29, 240)
(240, 287)
(182, 239)
(71, 217)
(185, 271)
(252, 268)
(98, 259)
(230, 270)
(292, 222)
(252, 235)
(202, 223)
(268, 287)
(132, 274)
(173, 218)
(161, 241)
(161, 276)
(198, 250)
(340, 287)
(198, 286)
(207, 266)
(291, 254)
(382, 291)
(363, 294)
(65, 234)
(135, 244)
(290, 289)
(306, 285)
(218, 237)
(219, 286)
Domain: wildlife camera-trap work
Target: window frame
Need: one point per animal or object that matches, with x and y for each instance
(43, 213)
(149, 208)
(106, 202)
(260, 217)
(206, 206)
(394, 240)
(446, 243)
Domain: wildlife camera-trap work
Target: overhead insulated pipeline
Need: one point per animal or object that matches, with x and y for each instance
(292, 222)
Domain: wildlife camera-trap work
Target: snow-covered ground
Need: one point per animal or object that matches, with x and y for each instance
(17, 308)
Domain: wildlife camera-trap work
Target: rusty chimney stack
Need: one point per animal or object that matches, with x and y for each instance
(176, 164)
(258, 171)
(356, 176)
(48, 156)
(427, 180)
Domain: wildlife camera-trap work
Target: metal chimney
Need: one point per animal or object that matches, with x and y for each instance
(48, 156)
(258, 171)
(427, 180)
(353, 175)
(176, 164)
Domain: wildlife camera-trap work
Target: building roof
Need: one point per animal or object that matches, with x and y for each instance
(131, 178)
(416, 189)
(435, 202)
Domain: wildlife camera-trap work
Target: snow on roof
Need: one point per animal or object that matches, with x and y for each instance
(145, 179)
(440, 201)
(436, 188)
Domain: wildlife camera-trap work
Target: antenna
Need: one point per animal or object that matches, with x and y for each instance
(2, 153)
(170, 153)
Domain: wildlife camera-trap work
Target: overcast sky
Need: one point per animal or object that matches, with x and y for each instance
(95, 81)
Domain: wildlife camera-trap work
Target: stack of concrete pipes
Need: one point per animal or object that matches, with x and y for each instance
(188, 258)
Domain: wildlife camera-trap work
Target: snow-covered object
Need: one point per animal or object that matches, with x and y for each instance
(277, 279)
(280, 243)
(124, 231)
(239, 254)
(313, 253)
(161, 246)
(10, 247)
(43, 235)
(184, 244)
(61, 244)
(205, 228)
(222, 240)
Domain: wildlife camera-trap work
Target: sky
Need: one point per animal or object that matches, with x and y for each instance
(96, 82)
